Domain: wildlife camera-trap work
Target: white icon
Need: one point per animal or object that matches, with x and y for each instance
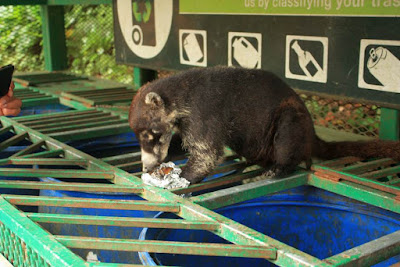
(306, 60)
(135, 36)
(381, 63)
(193, 47)
(246, 53)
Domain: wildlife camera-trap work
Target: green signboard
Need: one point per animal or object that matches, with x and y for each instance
(370, 8)
(349, 48)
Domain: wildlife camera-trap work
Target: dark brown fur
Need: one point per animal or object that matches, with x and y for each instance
(252, 111)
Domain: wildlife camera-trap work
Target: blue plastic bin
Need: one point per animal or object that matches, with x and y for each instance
(96, 231)
(317, 222)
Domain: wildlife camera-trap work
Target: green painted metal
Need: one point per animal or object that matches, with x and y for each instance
(237, 194)
(210, 249)
(54, 46)
(92, 203)
(358, 192)
(142, 76)
(95, 97)
(370, 165)
(390, 124)
(337, 175)
(61, 173)
(123, 221)
(195, 212)
(83, 187)
(370, 253)
(17, 230)
(68, 125)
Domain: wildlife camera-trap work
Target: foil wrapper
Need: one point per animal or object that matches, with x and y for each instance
(167, 175)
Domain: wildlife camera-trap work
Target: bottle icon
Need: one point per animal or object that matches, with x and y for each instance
(308, 63)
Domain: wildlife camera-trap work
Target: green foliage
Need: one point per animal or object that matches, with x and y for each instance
(21, 37)
(89, 35)
(90, 42)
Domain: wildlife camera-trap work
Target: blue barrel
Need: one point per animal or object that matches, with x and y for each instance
(317, 222)
(96, 231)
(42, 109)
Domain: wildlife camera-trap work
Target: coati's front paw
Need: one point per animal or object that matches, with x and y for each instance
(269, 174)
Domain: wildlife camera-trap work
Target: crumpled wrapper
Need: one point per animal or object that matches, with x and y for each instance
(166, 176)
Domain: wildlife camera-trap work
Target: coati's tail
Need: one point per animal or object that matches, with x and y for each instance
(361, 149)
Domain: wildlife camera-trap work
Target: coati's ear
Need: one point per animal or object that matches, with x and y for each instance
(154, 100)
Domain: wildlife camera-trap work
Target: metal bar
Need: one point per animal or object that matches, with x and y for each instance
(5, 129)
(86, 187)
(218, 182)
(44, 121)
(92, 132)
(370, 253)
(13, 140)
(102, 117)
(83, 187)
(239, 165)
(362, 166)
(64, 114)
(39, 101)
(44, 154)
(108, 91)
(54, 45)
(123, 221)
(71, 96)
(102, 122)
(337, 162)
(135, 156)
(36, 238)
(390, 124)
(337, 175)
(41, 161)
(235, 232)
(141, 76)
(55, 173)
(240, 193)
(29, 149)
(357, 192)
(206, 249)
(92, 203)
(381, 173)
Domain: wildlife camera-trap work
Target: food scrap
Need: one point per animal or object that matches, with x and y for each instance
(166, 176)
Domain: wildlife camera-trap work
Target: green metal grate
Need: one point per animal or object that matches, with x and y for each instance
(244, 242)
(40, 78)
(16, 250)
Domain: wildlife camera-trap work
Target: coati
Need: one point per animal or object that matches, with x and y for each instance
(252, 111)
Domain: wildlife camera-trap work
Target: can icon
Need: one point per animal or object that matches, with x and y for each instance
(384, 66)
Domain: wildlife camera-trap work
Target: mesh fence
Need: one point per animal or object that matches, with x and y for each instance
(89, 40)
(90, 51)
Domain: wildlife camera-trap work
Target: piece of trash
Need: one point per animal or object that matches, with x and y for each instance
(166, 176)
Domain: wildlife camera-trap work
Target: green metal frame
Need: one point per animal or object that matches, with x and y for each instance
(24, 242)
(333, 176)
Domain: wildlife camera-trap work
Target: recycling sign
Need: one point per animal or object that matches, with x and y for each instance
(339, 47)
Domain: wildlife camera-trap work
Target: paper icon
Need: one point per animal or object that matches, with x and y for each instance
(193, 47)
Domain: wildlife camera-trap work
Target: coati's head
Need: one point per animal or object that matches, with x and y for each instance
(152, 124)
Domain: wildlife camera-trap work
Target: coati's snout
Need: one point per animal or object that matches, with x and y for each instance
(154, 148)
(152, 125)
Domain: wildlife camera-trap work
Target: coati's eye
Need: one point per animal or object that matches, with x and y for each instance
(146, 136)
